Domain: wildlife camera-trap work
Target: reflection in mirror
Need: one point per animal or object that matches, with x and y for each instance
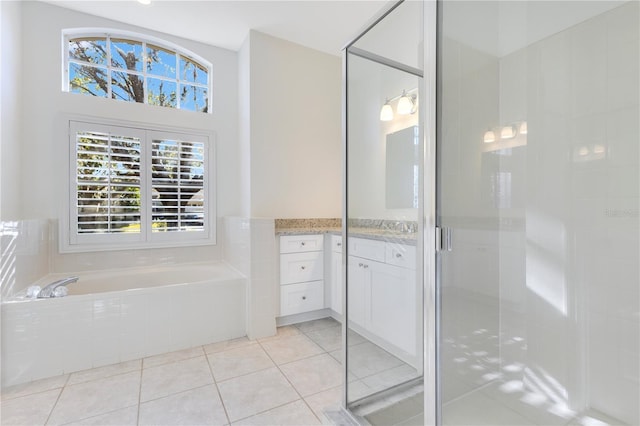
(402, 169)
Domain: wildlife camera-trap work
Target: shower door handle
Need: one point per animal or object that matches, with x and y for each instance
(444, 238)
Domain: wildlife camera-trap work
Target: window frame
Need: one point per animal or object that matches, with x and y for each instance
(70, 241)
(68, 34)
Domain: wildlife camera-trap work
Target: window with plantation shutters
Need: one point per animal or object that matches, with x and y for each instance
(134, 187)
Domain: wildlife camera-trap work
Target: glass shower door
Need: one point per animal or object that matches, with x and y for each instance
(538, 182)
(383, 246)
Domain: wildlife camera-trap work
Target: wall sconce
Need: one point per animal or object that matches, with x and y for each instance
(508, 132)
(523, 128)
(407, 104)
(489, 136)
(386, 113)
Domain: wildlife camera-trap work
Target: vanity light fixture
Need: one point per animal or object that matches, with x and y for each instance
(145, 2)
(405, 104)
(489, 136)
(508, 132)
(386, 113)
(523, 128)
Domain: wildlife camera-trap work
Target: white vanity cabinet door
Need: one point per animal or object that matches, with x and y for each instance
(392, 301)
(301, 297)
(336, 273)
(301, 267)
(358, 291)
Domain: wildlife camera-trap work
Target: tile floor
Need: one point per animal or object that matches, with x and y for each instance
(287, 379)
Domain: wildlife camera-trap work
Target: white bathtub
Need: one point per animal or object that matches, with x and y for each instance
(114, 316)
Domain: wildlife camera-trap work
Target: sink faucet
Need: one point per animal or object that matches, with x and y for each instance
(49, 290)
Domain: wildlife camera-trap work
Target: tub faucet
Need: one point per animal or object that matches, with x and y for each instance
(49, 290)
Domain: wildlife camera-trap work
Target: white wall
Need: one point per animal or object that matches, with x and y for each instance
(294, 129)
(42, 181)
(11, 100)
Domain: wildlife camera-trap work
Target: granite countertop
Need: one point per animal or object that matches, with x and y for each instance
(333, 226)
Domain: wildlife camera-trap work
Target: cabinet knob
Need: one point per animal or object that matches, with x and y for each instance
(398, 255)
(302, 243)
(366, 266)
(361, 264)
(303, 267)
(339, 244)
(304, 297)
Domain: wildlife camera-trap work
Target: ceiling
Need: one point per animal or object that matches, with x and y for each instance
(325, 25)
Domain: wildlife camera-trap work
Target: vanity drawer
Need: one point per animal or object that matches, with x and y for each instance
(301, 267)
(401, 255)
(302, 297)
(301, 243)
(336, 243)
(367, 249)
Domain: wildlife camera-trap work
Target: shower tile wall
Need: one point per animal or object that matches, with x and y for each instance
(578, 90)
(548, 306)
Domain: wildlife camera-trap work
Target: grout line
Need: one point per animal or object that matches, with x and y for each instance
(215, 384)
(54, 405)
(140, 392)
(97, 415)
(291, 384)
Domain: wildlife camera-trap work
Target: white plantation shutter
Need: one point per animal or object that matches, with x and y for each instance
(137, 188)
(107, 183)
(177, 169)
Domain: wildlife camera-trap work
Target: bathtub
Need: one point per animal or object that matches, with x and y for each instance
(115, 316)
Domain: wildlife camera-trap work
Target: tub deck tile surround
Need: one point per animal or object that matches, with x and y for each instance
(270, 381)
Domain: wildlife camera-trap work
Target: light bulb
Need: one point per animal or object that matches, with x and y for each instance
(489, 136)
(386, 113)
(507, 132)
(144, 1)
(405, 104)
(523, 128)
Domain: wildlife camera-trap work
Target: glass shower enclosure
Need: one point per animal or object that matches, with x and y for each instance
(492, 225)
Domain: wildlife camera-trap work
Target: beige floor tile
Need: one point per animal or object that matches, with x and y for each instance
(36, 386)
(330, 399)
(228, 344)
(28, 410)
(122, 417)
(106, 371)
(167, 379)
(313, 375)
(367, 359)
(291, 348)
(391, 377)
(254, 393)
(287, 330)
(201, 406)
(293, 414)
(318, 324)
(154, 361)
(329, 338)
(237, 362)
(96, 397)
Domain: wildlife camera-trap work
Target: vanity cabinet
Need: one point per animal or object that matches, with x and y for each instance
(383, 294)
(336, 273)
(301, 273)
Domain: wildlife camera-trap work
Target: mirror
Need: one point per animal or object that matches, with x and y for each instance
(401, 181)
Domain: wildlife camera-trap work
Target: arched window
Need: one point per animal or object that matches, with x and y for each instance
(132, 68)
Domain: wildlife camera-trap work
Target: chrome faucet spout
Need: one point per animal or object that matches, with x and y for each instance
(49, 290)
